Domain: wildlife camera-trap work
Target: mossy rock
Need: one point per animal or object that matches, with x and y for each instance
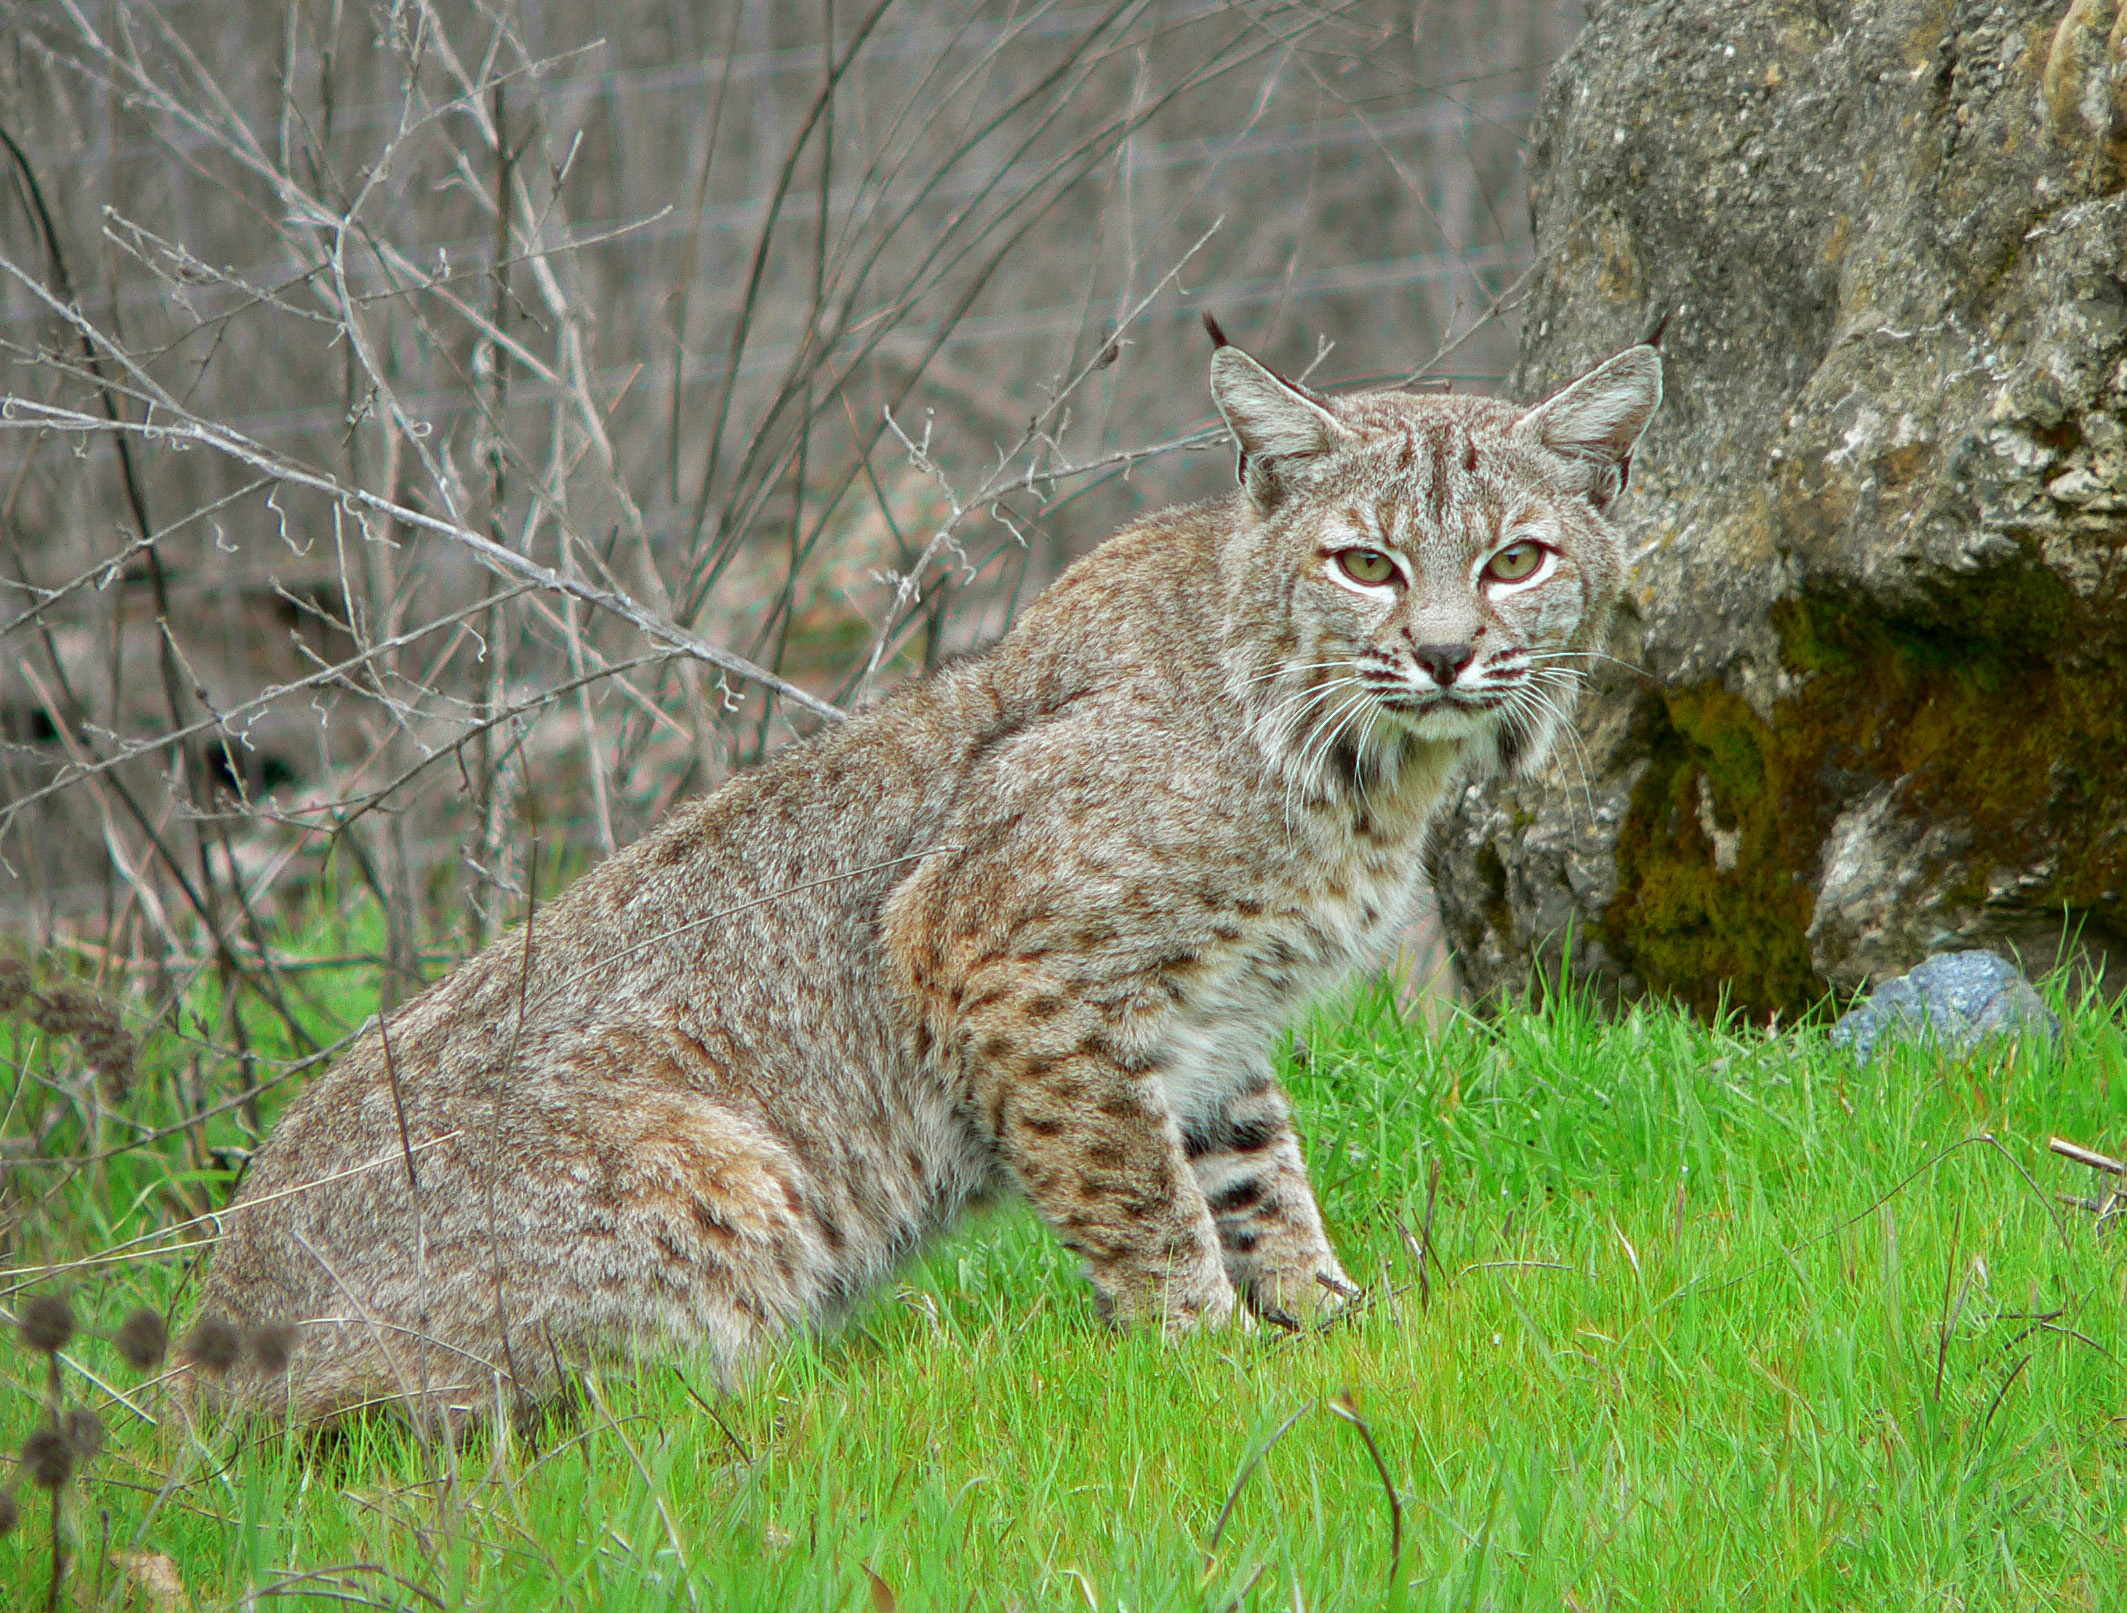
(1881, 597)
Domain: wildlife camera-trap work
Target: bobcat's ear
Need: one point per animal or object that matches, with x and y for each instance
(1272, 420)
(1596, 422)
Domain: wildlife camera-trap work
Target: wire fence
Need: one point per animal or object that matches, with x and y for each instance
(435, 430)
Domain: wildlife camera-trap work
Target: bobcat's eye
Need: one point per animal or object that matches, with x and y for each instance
(1369, 567)
(1515, 562)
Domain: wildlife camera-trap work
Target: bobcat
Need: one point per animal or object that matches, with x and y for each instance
(1034, 923)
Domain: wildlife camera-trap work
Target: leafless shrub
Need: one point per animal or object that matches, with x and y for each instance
(436, 429)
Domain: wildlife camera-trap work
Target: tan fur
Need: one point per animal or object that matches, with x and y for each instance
(1034, 924)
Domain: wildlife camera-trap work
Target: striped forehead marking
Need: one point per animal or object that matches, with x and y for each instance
(1437, 495)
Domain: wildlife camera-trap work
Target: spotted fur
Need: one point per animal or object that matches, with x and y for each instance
(1033, 926)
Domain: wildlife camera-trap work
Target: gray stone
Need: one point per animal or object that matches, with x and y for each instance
(1957, 1001)
(1870, 701)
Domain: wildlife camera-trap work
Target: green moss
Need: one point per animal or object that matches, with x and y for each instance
(1690, 928)
(2007, 711)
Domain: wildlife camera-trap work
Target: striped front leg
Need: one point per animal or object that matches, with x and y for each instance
(1247, 1160)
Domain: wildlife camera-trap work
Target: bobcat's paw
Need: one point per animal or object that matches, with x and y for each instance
(1215, 1308)
(1175, 1302)
(1307, 1291)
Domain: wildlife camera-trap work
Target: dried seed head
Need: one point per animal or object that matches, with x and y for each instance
(107, 1047)
(10, 1514)
(14, 984)
(141, 1339)
(65, 1009)
(271, 1346)
(109, 1051)
(47, 1322)
(84, 1431)
(213, 1345)
(48, 1457)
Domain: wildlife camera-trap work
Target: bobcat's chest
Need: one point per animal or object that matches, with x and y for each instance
(1303, 933)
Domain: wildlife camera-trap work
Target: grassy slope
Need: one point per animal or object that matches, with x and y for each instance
(1686, 1348)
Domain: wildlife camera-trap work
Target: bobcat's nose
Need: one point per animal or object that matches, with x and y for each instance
(1444, 661)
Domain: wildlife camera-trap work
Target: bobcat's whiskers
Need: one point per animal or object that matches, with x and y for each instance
(1541, 711)
(1277, 729)
(1324, 740)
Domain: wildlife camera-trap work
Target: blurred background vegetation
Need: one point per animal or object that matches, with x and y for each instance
(439, 436)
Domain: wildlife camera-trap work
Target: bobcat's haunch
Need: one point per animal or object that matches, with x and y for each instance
(1032, 924)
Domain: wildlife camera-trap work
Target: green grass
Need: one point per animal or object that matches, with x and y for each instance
(1717, 1320)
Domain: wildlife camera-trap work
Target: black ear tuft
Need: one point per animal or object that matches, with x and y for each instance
(1653, 338)
(1220, 339)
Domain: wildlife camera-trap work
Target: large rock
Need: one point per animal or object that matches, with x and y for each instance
(1880, 595)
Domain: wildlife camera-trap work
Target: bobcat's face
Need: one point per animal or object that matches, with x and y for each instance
(1445, 564)
(1457, 609)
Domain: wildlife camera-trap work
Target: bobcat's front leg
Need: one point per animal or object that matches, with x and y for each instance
(1248, 1165)
(1012, 1001)
(1090, 1139)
